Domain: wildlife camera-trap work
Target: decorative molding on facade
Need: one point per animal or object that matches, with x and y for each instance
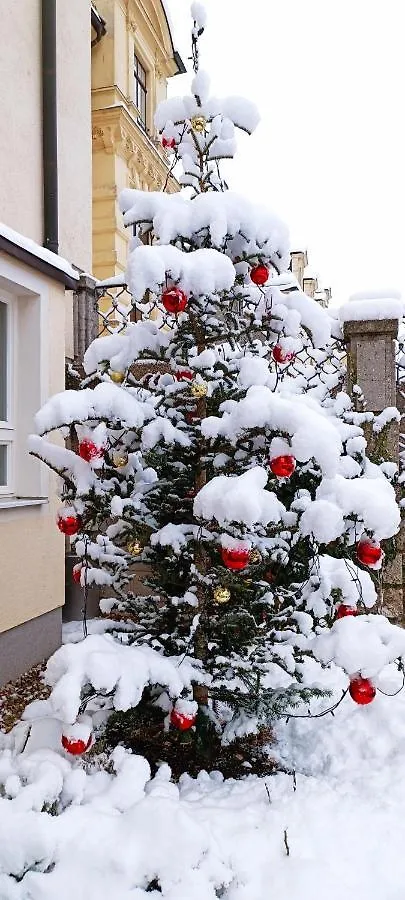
(115, 132)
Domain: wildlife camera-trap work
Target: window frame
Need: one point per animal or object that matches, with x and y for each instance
(7, 426)
(140, 91)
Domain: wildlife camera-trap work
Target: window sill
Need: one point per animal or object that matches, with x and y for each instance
(15, 502)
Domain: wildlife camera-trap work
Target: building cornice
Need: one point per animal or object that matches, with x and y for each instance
(57, 270)
(115, 131)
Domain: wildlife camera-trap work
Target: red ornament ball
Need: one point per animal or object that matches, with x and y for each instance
(283, 466)
(368, 552)
(259, 274)
(168, 143)
(282, 356)
(235, 558)
(361, 690)
(88, 450)
(69, 525)
(174, 300)
(184, 373)
(76, 573)
(343, 610)
(75, 746)
(181, 721)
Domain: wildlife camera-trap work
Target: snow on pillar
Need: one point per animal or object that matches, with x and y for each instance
(370, 345)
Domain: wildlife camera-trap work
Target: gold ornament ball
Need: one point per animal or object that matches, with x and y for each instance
(119, 458)
(199, 123)
(116, 377)
(134, 548)
(222, 595)
(255, 556)
(199, 389)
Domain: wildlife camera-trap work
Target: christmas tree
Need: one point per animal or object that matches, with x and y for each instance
(217, 447)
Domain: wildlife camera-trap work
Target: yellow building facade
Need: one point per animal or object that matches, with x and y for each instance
(130, 68)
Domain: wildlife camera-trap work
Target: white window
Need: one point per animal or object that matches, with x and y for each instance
(6, 394)
(28, 340)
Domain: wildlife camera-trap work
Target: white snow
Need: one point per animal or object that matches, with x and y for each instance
(341, 816)
(111, 667)
(224, 216)
(120, 350)
(371, 309)
(58, 262)
(105, 401)
(200, 273)
(239, 498)
(313, 434)
(199, 14)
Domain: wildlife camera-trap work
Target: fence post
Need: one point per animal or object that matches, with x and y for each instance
(85, 329)
(85, 316)
(370, 346)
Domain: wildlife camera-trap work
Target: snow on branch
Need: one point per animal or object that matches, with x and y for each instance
(225, 217)
(106, 402)
(243, 113)
(312, 433)
(110, 667)
(239, 498)
(120, 350)
(200, 273)
(360, 644)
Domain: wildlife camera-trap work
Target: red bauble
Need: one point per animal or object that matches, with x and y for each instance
(174, 300)
(368, 552)
(282, 356)
(76, 573)
(169, 143)
(184, 373)
(88, 450)
(361, 690)
(191, 416)
(235, 558)
(69, 525)
(343, 610)
(75, 746)
(259, 274)
(283, 466)
(181, 721)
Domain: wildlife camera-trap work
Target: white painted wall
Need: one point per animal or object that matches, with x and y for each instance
(21, 117)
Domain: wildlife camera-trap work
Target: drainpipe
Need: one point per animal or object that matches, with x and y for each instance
(49, 126)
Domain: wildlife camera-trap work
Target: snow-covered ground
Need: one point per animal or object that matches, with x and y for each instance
(335, 831)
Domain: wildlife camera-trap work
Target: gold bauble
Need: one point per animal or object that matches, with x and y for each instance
(222, 595)
(199, 123)
(134, 548)
(199, 389)
(116, 377)
(119, 458)
(255, 556)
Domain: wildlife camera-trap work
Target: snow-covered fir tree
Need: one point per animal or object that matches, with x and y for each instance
(229, 460)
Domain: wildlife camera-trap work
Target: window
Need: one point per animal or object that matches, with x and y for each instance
(6, 411)
(140, 91)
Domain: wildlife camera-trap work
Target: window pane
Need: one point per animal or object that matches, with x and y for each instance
(3, 361)
(141, 74)
(3, 465)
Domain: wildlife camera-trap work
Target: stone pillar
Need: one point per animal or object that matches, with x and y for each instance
(370, 348)
(85, 330)
(85, 316)
(310, 286)
(299, 260)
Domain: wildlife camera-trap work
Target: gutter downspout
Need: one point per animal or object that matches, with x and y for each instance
(49, 126)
